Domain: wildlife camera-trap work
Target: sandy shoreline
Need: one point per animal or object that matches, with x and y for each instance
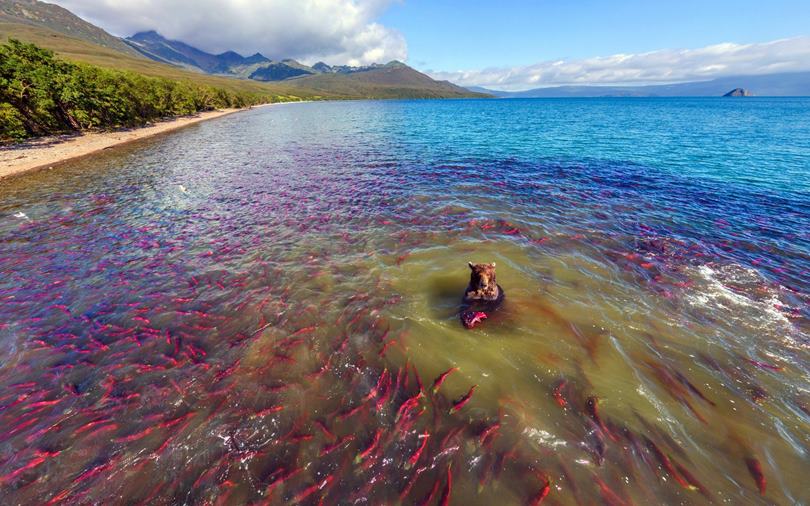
(46, 152)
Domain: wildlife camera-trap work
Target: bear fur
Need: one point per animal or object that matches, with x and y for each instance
(483, 295)
(483, 289)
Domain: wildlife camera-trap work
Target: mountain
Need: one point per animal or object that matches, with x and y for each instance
(53, 17)
(322, 67)
(156, 47)
(279, 71)
(259, 68)
(392, 80)
(149, 54)
(153, 45)
(231, 58)
(346, 69)
(794, 84)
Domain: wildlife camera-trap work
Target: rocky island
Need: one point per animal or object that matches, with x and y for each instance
(739, 92)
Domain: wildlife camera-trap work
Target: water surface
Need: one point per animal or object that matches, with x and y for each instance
(254, 309)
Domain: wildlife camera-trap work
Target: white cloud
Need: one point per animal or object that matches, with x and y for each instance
(337, 31)
(664, 66)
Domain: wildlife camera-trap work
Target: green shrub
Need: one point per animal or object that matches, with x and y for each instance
(11, 124)
(41, 94)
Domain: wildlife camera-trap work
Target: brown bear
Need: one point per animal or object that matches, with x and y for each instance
(483, 294)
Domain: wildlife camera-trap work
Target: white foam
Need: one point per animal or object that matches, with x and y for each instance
(543, 438)
(754, 305)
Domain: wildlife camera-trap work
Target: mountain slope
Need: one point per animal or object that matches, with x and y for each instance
(772, 85)
(279, 71)
(394, 80)
(153, 45)
(58, 19)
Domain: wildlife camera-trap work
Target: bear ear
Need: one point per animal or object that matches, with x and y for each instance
(492, 264)
(472, 266)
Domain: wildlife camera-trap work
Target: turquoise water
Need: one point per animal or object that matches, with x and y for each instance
(254, 309)
(763, 141)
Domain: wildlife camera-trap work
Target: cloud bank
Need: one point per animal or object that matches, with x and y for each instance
(337, 31)
(656, 67)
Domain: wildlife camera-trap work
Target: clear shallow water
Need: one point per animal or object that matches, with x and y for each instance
(246, 311)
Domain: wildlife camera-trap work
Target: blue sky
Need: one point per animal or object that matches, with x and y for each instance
(462, 35)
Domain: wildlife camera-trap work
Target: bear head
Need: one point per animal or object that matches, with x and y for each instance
(482, 276)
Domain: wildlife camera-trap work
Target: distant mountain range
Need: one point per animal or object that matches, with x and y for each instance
(257, 67)
(796, 84)
(149, 53)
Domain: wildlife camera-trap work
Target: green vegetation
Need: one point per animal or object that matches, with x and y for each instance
(375, 84)
(41, 94)
(81, 51)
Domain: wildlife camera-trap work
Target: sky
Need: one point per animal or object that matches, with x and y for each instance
(505, 44)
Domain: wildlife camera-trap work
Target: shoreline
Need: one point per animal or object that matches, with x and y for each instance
(47, 152)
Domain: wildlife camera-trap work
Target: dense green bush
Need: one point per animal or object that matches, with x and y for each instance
(11, 124)
(41, 94)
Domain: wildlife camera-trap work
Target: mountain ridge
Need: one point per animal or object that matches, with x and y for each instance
(153, 45)
(258, 67)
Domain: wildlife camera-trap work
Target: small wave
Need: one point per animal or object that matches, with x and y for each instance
(744, 297)
(543, 438)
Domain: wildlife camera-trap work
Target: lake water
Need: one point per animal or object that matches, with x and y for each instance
(254, 309)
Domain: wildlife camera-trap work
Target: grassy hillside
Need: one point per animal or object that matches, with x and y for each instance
(41, 94)
(53, 17)
(363, 86)
(394, 80)
(77, 50)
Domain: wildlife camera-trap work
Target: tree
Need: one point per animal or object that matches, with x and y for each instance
(41, 94)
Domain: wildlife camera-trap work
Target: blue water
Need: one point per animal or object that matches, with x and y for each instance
(762, 141)
(252, 310)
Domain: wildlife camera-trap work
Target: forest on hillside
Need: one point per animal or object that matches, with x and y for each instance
(41, 94)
